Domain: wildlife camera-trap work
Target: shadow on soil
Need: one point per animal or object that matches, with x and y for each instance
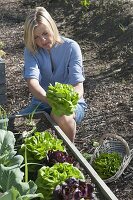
(109, 27)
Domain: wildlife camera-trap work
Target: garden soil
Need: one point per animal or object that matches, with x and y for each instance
(104, 31)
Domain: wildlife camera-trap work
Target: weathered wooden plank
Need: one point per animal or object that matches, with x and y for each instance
(105, 190)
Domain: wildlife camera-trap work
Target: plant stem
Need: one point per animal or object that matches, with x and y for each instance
(26, 166)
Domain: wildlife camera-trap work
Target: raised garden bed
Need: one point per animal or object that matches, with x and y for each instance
(25, 126)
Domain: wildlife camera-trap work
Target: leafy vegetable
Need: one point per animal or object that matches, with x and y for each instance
(85, 3)
(13, 194)
(73, 189)
(13, 176)
(49, 177)
(95, 144)
(58, 157)
(7, 152)
(10, 174)
(87, 156)
(107, 164)
(39, 144)
(62, 98)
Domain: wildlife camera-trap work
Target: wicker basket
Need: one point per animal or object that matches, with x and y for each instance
(113, 143)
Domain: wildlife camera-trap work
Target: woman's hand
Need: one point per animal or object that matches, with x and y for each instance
(36, 90)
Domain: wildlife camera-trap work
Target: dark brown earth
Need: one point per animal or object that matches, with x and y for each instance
(105, 34)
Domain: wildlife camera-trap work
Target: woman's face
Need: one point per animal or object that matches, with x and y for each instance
(44, 36)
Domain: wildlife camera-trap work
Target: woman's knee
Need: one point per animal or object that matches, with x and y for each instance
(64, 119)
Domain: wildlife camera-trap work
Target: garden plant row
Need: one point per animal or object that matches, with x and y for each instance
(37, 162)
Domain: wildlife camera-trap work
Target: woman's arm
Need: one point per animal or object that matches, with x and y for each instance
(79, 89)
(36, 90)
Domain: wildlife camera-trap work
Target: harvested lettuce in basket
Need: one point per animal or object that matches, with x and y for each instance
(107, 164)
(62, 98)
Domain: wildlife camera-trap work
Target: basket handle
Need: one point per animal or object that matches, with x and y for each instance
(111, 135)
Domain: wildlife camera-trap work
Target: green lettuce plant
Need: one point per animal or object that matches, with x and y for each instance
(62, 98)
(107, 164)
(49, 177)
(38, 145)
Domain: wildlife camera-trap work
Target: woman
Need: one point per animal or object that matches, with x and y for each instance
(50, 58)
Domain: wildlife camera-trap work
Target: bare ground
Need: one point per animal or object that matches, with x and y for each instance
(105, 34)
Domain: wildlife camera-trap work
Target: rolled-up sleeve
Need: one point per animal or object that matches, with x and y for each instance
(76, 71)
(31, 69)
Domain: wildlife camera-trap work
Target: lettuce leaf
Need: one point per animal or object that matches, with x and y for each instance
(49, 177)
(62, 98)
(39, 144)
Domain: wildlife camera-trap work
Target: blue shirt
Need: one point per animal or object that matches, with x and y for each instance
(63, 64)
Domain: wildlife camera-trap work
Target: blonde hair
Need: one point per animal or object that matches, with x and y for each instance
(39, 15)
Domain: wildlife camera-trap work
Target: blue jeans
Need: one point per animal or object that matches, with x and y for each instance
(79, 112)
